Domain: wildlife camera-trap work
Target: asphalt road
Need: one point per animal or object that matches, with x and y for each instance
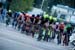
(11, 39)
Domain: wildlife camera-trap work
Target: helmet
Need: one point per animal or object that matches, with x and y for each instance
(57, 23)
(55, 19)
(33, 15)
(50, 17)
(9, 11)
(62, 22)
(46, 15)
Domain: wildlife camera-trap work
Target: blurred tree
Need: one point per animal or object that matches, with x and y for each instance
(0, 5)
(54, 2)
(8, 2)
(37, 3)
(70, 3)
(21, 5)
(50, 3)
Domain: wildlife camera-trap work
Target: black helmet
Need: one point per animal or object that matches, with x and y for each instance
(38, 15)
(33, 15)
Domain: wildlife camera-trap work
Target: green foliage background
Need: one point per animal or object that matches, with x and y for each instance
(21, 5)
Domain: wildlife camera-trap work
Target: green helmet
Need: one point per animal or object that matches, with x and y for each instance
(68, 25)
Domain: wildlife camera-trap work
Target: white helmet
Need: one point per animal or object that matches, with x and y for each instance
(9, 11)
(57, 23)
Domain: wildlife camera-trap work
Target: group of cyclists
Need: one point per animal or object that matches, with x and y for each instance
(43, 26)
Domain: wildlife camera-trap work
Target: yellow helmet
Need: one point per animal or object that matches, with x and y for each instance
(46, 16)
(55, 19)
(50, 17)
